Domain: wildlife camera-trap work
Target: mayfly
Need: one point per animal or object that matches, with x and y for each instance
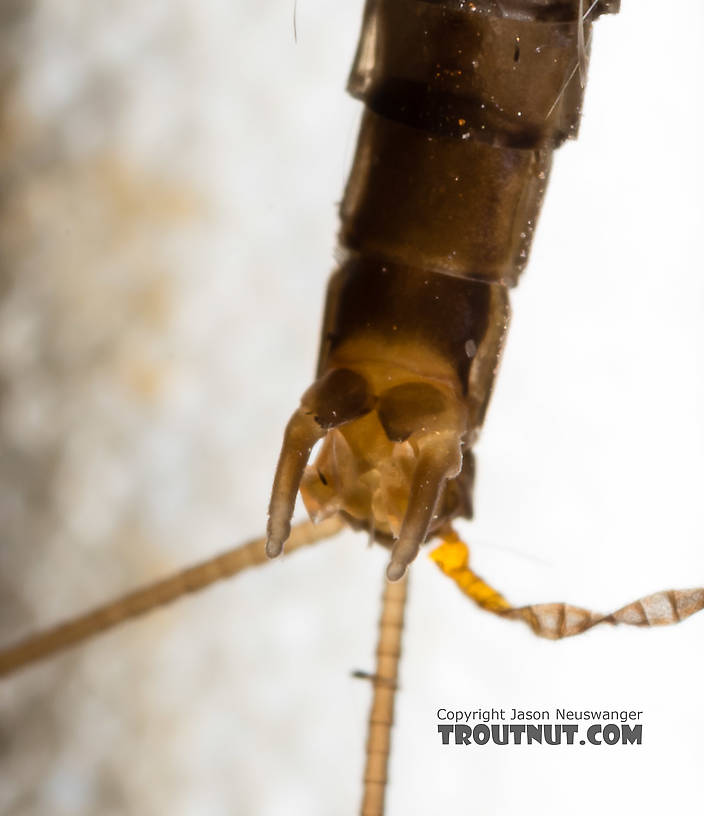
(279, 789)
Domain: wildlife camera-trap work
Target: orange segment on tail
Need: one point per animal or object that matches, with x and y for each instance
(452, 556)
(559, 620)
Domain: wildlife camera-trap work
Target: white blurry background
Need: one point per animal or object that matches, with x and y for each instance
(168, 173)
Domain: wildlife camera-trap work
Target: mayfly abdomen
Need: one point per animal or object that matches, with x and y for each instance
(465, 103)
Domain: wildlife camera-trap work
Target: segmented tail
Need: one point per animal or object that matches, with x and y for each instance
(560, 620)
(381, 714)
(251, 554)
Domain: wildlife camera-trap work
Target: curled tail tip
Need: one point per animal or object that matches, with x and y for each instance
(274, 548)
(276, 538)
(395, 571)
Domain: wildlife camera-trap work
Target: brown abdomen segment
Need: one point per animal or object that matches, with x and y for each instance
(465, 102)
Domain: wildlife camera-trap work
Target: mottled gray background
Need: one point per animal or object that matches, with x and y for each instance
(168, 173)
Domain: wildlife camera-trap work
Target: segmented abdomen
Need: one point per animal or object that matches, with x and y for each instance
(465, 102)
